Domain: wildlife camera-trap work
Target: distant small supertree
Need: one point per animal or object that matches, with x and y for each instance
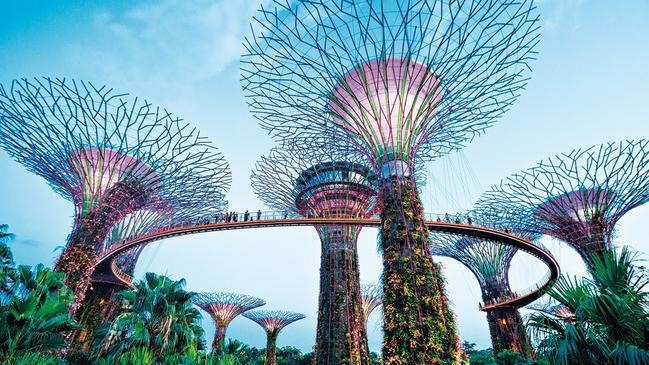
(223, 308)
(371, 297)
(326, 184)
(109, 154)
(404, 80)
(272, 322)
(490, 261)
(579, 196)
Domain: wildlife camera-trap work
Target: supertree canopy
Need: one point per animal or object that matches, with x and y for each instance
(223, 308)
(371, 298)
(490, 261)
(579, 196)
(404, 80)
(327, 185)
(111, 155)
(272, 322)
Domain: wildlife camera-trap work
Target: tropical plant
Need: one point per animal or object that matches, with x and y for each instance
(34, 312)
(610, 324)
(6, 258)
(159, 317)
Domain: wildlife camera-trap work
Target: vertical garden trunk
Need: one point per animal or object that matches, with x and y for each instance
(507, 331)
(219, 337)
(271, 347)
(78, 257)
(419, 327)
(99, 306)
(341, 336)
(90, 230)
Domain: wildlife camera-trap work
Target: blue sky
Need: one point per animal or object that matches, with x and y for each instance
(588, 87)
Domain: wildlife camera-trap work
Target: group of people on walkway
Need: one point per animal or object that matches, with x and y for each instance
(236, 217)
(457, 219)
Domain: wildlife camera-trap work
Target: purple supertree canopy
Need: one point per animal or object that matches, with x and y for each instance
(410, 79)
(109, 154)
(85, 139)
(371, 298)
(579, 196)
(489, 261)
(273, 321)
(324, 185)
(224, 307)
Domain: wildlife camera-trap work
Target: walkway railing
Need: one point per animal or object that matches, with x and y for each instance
(456, 224)
(515, 296)
(234, 217)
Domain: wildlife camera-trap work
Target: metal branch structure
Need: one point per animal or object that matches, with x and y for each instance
(404, 81)
(223, 308)
(490, 261)
(272, 322)
(553, 308)
(109, 154)
(578, 197)
(327, 185)
(371, 298)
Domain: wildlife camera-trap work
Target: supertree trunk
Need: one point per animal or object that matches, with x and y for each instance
(341, 335)
(271, 348)
(507, 332)
(419, 328)
(77, 259)
(99, 306)
(219, 338)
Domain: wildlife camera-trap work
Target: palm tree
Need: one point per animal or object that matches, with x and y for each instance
(6, 258)
(34, 311)
(158, 315)
(611, 317)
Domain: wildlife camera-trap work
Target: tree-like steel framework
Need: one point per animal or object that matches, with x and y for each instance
(111, 155)
(99, 304)
(371, 298)
(327, 185)
(223, 308)
(404, 80)
(490, 261)
(272, 322)
(578, 197)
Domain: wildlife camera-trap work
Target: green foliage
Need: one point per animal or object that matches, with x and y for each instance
(31, 358)
(509, 357)
(419, 327)
(610, 323)
(159, 316)
(341, 336)
(34, 312)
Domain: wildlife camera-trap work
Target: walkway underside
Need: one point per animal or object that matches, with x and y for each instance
(105, 270)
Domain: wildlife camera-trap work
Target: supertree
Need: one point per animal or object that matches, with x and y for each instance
(371, 298)
(405, 80)
(223, 308)
(111, 155)
(578, 197)
(490, 261)
(272, 322)
(327, 185)
(100, 304)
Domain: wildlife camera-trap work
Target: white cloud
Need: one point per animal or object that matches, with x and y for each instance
(558, 13)
(171, 40)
